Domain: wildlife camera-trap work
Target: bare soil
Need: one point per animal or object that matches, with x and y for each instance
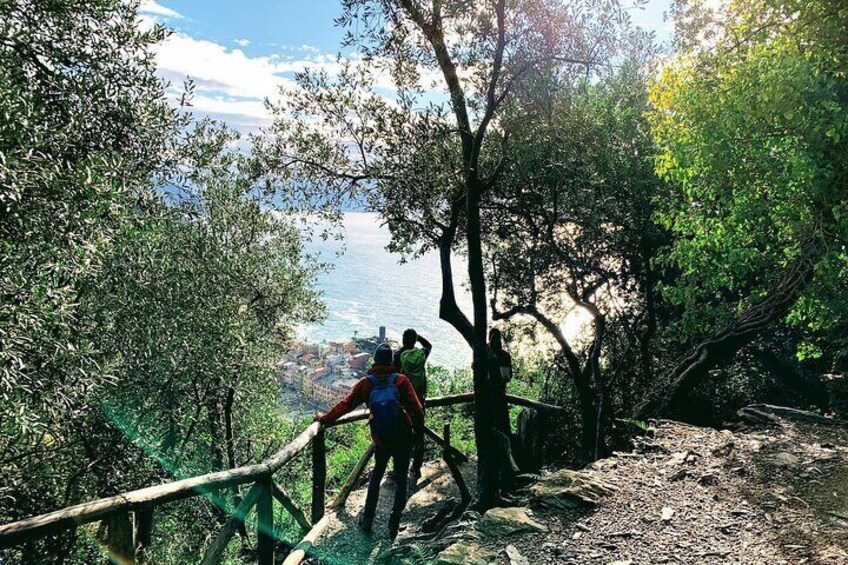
(685, 495)
(343, 543)
(702, 496)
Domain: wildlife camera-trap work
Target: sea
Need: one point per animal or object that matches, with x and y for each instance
(368, 287)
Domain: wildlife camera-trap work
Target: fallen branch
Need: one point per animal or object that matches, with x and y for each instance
(769, 414)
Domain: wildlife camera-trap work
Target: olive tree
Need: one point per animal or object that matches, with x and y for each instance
(428, 155)
(146, 281)
(571, 226)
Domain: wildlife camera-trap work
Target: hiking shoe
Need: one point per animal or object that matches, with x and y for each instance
(365, 525)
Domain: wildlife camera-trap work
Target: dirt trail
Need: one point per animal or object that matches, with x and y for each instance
(685, 495)
(343, 543)
(702, 496)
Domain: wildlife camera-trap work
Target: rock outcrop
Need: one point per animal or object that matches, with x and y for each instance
(465, 553)
(569, 489)
(499, 522)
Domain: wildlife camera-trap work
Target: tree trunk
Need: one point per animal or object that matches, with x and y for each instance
(472, 142)
(214, 411)
(143, 531)
(647, 336)
(229, 440)
(228, 427)
(265, 523)
(214, 416)
(724, 344)
(601, 417)
(475, 335)
(488, 489)
(588, 416)
(117, 533)
(582, 380)
(448, 309)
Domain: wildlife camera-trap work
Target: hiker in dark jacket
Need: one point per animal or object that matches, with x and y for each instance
(412, 361)
(396, 414)
(500, 373)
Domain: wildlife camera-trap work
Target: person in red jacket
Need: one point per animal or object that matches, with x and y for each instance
(393, 442)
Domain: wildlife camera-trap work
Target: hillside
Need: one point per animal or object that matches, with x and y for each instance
(683, 495)
(697, 495)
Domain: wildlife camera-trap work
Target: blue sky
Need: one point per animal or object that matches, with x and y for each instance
(240, 52)
(270, 26)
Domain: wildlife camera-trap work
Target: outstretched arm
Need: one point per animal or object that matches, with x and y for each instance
(428, 347)
(356, 397)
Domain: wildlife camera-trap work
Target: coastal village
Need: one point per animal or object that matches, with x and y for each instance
(325, 373)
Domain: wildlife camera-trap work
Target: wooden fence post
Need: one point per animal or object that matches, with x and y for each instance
(319, 475)
(265, 523)
(531, 429)
(142, 531)
(117, 532)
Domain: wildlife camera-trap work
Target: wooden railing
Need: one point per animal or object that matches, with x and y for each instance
(261, 494)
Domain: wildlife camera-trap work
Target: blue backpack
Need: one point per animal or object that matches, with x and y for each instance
(387, 417)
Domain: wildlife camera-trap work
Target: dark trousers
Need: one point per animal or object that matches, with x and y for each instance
(418, 451)
(400, 455)
(502, 423)
(418, 439)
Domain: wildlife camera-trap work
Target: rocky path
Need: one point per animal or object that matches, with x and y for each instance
(343, 543)
(689, 495)
(685, 495)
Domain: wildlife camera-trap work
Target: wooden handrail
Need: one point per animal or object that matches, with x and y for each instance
(521, 401)
(302, 549)
(145, 498)
(16, 532)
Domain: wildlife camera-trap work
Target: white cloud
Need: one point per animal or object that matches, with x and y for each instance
(153, 8)
(241, 114)
(242, 42)
(214, 68)
(232, 86)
